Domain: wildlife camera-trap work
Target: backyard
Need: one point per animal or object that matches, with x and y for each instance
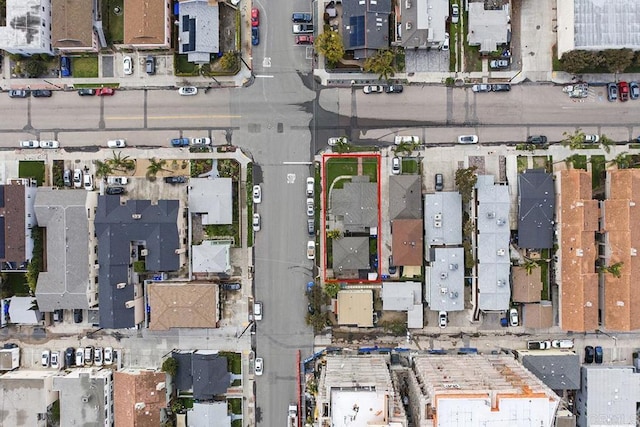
(113, 20)
(32, 169)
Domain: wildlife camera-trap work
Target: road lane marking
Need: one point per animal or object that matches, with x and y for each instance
(264, 76)
(291, 178)
(209, 116)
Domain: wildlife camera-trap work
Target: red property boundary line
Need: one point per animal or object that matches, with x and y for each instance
(325, 186)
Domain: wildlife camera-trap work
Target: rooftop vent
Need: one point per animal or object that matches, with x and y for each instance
(136, 216)
(437, 224)
(491, 215)
(437, 216)
(409, 25)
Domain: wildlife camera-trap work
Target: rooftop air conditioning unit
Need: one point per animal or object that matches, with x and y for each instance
(139, 406)
(144, 252)
(491, 215)
(453, 267)
(579, 252)
(634, 252)
(500, 221)
(409, 25)
(437, 224)
(130, 304)
(501, 252)
(501, 283)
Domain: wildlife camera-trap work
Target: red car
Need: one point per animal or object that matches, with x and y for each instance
(105, 91)
(304, 39)
(623, 91)
(255, 17)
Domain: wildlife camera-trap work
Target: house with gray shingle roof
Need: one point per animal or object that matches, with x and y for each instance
(365, 26)
(137, 230)
(536, 209)
(204, 372)
(405, 197)
(350, 254)
(356, 204)
(67, 282)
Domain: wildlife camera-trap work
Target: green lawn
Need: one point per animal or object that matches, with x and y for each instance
(235, 406)
(523, 163)
(86, 66)
(250, 204)
(410, 166)
(184, 67)
(32, 169)
(539, 162)
(370, 168)
(340, 166)
(112, 22)
(598, 166)
(472, 60)
(234, 361)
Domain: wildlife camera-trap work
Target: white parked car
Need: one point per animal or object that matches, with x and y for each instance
(32, 143)
(97, 358)
(257, 310)
(481, 88)
(442, 319)
(80, 357)
(396, 165)
(513, 317)
(77, 178)
(455, 13)
(117, 143)
(310, 186)
(592, 138)
(49, 144)
(406, 139)
(108, 355)
(117, 180)
(257, 194)
(259, 366)
(256, 222)
(88, 182)
(445, 43)
(311, 249)
(468, 139)
(567, 343)
(201, 141)
(55, 360)
(127, 65)
(188, 90)
(373, 89)
(45, 358)
(335, 140)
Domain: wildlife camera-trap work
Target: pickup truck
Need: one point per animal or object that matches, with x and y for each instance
(117, 180)
(538, 345)
(292, 420)
(180, 142)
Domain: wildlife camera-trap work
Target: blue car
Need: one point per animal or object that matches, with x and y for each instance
(180, 142)
(255, 36)
(65, 66)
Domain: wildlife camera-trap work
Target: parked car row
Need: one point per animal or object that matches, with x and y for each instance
(78, 179)
(623, 91)
(498, 87)
(397, 88)
(302, 24)
(82, 356)
(593, 354)
(546, 345)
(25, 93)
(255, 26)
(150, 65)
(32, 143)
(185, 142)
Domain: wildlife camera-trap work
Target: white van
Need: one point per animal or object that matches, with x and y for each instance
(406, 139)
(562, 343)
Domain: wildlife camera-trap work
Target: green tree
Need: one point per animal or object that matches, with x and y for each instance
(170, 366)
(616, 60)
(465, 181)
(405, 147)
(381, 64)
(154, 167)
(120, 162)
(102, 168)
(576, 61)
(614, 269)
(529, 266)
(35, 67)
(332, 289)
(229, 61)
(329, 44)
(334, 234)
(621, 161)
(606, 143)
(343, 145)
(575, 140)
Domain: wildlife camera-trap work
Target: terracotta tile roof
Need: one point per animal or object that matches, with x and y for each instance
(579, 280)
(407, 241)
(138, 397)
(621, 218)
(72, 24)
(178, 305)
(526, 287)
(145, 22)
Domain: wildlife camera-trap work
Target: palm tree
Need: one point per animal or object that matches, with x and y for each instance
(154, 167)
(622, 161)
(614, 269)
(343, 145)
(606, 143)
(102, 168)
(575, 141)
(120, 162)
(529, 266)
(381, 64)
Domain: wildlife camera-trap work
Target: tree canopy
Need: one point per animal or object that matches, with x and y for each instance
(330, 45)
(381, 64)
